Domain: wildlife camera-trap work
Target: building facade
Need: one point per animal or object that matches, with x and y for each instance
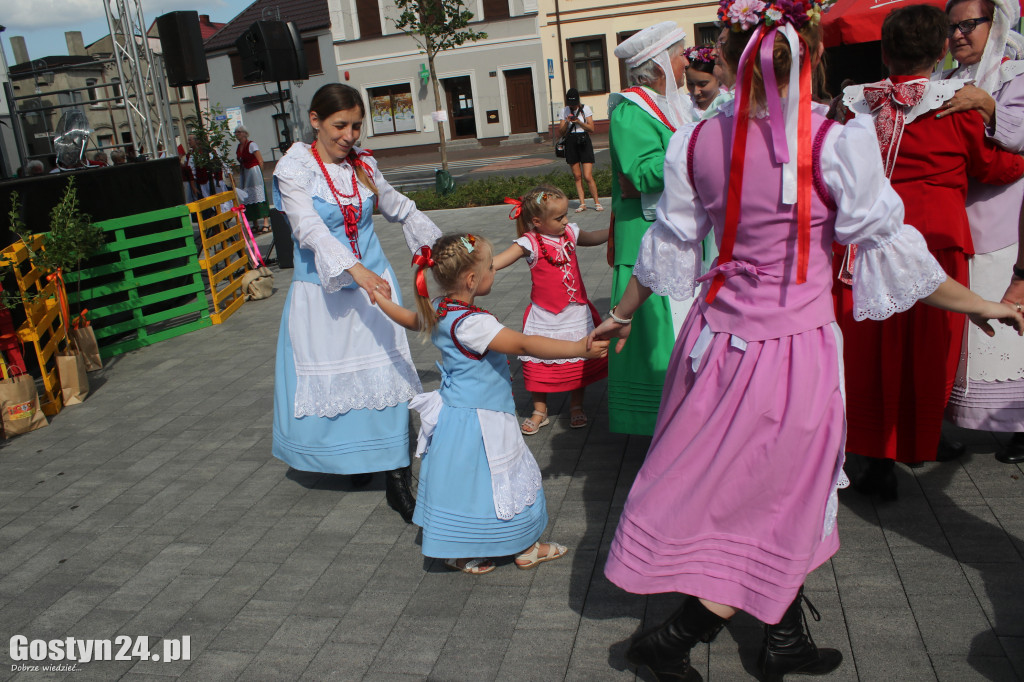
(492, 90)
(580, 37)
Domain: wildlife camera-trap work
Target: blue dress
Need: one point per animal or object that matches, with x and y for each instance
(455, 502)
(346, 410)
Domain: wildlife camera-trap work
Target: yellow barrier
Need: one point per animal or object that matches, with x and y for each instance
(43, 326)
(224, 258)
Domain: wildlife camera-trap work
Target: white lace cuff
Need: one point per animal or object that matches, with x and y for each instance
(419, 230)
(328, 395)
(891, 276)
(667, 265)
(333, 259)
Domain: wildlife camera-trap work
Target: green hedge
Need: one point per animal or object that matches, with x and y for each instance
(493, 190)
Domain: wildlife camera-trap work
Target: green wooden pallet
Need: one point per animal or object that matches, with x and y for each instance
(145, 285)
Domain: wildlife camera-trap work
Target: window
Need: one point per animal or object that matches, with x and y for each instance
(588, 68)
(368, 13)
(623, 75)
(707, 34)
(90, 83)
(391, 109)
(495, 9)
(183, 94)
(311, 46)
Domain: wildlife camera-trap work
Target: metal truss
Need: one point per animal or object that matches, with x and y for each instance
(142, 77)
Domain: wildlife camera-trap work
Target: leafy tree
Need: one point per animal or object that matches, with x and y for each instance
(436, 26)
(214, 142)
(72, 238)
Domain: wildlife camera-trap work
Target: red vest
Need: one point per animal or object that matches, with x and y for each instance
(555, 287)
(246, 158)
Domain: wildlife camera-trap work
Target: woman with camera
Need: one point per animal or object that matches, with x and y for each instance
(576, 126)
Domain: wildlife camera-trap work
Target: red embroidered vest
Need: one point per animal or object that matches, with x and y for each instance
(246, 158)
(555, 287)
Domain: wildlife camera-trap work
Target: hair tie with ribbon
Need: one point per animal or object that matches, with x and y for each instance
(422, 260)
(517, 208)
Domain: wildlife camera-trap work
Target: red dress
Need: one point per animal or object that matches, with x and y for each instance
(900, 371)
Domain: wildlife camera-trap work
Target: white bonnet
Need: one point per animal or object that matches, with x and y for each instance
(646, 44)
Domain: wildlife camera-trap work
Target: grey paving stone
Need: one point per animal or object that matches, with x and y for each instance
(217, 665)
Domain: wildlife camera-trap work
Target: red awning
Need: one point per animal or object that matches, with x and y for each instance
(860, 21)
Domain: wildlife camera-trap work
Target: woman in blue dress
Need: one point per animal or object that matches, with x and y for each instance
(343, 376)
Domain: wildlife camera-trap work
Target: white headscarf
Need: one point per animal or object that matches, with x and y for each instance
(986, 73)
(651, 44)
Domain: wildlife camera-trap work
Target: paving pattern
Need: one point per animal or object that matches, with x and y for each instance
(155, 509)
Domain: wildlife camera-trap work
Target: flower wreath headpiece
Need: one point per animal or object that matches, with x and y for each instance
(790, 126)
(704, 53)
(743, 15)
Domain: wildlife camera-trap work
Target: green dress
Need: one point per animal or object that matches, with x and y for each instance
(635, 376)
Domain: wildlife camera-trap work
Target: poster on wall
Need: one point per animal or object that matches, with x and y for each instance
(381, 114)
(234, 116)
(405, 117)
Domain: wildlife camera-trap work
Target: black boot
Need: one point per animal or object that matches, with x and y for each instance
(665, 650)
(789, 649)
(398, 492)
(879, 478)
(360, 480)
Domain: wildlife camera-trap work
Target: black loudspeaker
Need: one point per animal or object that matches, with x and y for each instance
(282, 239)
(182, 44)
(272, 51)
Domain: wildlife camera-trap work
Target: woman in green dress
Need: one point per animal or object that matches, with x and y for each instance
(642, 119)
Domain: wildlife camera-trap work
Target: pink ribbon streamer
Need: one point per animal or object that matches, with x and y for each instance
(771, 90)
(250, 241)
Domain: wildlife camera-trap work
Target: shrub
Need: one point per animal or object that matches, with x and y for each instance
(493, 190)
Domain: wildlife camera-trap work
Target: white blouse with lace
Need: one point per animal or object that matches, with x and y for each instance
(893, 268)
(515, 476)
(348, 354)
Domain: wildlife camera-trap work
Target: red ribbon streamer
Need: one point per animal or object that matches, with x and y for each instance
(422, 260)
(517, 208)
(803, 166)
(739, 152)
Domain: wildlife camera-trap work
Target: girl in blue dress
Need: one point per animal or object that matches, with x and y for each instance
(480, 491)
(344, 375)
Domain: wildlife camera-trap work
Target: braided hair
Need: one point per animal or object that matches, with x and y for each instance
(452, 258)
(535, 205)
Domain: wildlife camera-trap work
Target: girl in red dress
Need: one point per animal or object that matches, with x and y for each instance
(559, 307)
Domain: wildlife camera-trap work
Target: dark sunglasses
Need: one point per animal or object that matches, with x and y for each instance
(966, 26)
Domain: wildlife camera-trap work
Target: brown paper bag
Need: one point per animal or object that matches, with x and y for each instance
(84, 339)
(74, 382)
(19, 403)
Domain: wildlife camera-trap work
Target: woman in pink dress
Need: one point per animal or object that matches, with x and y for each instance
(736, 501)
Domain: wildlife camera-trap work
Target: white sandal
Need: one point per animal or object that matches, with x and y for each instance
(555, 551)
(530, 427)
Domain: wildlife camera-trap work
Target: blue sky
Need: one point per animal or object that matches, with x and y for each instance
(43, 22)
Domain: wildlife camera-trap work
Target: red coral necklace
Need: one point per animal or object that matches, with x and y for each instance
(351, 213)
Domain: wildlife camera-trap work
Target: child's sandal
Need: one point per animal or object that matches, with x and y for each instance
(577, 418)
(472, 566)
(530, 427)
(533, 558)
(598, 207)
(581, 209)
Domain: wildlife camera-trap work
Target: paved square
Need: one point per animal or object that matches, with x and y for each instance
(156, 509)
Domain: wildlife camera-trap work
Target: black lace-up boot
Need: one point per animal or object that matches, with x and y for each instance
(788, 647)
(665, 650)
(398, 492)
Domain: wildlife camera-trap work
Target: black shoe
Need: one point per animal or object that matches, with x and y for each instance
(398, 492)
(789, 649)
(1013, 453)
(360, 480)
(665, 650)
(879, 478)
(949, 450)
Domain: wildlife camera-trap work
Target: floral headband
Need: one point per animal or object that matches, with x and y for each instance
(705, 54)
(743, 15)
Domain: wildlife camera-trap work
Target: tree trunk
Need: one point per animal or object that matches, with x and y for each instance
(437, 107)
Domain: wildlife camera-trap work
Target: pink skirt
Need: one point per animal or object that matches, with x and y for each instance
(735, 502)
